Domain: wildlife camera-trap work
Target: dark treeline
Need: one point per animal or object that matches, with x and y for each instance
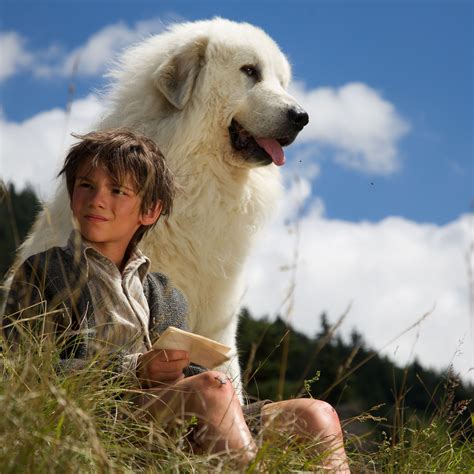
(347, 374)
(17, 211)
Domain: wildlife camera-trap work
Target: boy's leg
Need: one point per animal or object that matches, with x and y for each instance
(313, 419)
(210, 397)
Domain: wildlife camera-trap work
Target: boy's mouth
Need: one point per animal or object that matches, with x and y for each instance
(95, 218)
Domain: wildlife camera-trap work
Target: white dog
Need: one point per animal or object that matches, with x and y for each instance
(212, 95)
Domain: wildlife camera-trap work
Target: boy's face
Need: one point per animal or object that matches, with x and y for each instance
(108, 213)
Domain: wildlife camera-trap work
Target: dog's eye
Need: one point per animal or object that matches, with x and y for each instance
(251, 71)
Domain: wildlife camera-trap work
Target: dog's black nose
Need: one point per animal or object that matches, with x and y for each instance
(298, 117)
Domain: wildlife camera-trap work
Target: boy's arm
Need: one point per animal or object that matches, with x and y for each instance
(168, 307)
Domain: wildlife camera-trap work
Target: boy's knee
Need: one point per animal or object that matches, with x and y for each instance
(323, 408)
(215, 393)
(214, 382)
(321, 415)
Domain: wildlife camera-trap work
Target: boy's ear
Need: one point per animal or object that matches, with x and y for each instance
(151, 215)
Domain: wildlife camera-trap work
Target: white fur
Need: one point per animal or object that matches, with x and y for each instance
(224, 200)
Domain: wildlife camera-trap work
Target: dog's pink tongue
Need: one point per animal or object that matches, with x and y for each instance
(273, 148)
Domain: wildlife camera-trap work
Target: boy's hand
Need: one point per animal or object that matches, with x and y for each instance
(161, 366)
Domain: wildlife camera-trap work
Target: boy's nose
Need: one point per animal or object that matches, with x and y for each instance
(98, 198)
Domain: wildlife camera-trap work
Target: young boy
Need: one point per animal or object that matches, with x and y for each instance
(95, 298)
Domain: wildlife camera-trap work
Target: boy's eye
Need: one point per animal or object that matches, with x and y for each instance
(119, 191)
(85, 185)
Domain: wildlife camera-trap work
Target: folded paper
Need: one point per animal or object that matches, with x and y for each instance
(202, 351)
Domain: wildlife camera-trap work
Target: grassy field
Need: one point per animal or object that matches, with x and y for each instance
(83, 422)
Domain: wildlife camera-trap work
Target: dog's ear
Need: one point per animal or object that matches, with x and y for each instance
(175, 78)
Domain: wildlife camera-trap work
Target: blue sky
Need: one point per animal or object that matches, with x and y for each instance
(385, 167)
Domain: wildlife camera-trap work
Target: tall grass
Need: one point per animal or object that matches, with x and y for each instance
(438, 442)
(80, 421)
(84, 421)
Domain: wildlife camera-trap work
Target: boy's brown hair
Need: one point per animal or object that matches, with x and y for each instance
(125, 153)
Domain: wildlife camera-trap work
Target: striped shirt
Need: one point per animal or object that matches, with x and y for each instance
(121, 310)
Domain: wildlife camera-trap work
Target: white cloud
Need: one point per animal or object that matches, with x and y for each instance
(362, 127)
(392, 271)
(32, 151)
(14, 55)
(88, 59)
(102, 47)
